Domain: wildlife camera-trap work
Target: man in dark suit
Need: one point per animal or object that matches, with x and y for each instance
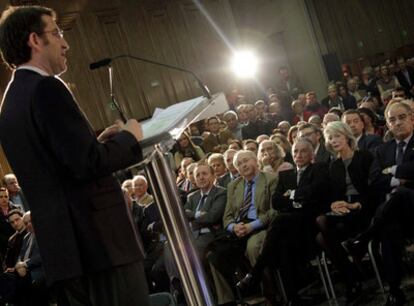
(298, 201)
(216, 162)
(216, 140)
(15, 218)
(405, 77)
(314, 135)
(255, 126)
(393, 219)
(15, 192)
(83, 227)
(355, 121)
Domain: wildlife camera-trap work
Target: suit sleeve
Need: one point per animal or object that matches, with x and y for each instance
(67, 133)
(229, 216)
(280, 202)
(267, 213)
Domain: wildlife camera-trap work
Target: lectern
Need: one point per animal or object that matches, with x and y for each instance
(159, 134)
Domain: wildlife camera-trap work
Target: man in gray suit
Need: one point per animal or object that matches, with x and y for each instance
(205, 207)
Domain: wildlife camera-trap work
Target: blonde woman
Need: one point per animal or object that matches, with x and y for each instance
(351, 201)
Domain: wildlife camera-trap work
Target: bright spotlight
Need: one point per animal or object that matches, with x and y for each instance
(244, 64)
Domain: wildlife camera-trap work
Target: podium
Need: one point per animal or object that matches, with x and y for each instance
(159, 134)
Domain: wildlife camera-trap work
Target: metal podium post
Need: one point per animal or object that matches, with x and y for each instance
(177, 230)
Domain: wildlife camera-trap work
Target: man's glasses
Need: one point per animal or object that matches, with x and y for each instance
(57, 33)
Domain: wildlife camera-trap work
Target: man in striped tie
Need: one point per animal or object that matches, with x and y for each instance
(248, 213)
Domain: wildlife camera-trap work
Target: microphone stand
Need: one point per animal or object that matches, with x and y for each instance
(112, 95)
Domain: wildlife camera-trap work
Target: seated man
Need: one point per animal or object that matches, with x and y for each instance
(15, 192)
(312, 133)
(216, 162)
(356, 122)
(393, 219)
(150, 226)
(228, 159)
(205, 207)
(15, 218)
(216, 141)
(299, 201)
(31, 283)
(248, 213)
(5, 229)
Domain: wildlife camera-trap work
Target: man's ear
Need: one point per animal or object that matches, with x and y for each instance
(34, 41)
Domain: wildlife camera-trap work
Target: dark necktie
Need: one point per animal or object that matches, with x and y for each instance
(400, 153)
(300, 172)
(218, 139)
(201, 202)
(247, 201)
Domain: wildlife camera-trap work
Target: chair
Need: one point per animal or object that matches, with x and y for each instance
(374, 266)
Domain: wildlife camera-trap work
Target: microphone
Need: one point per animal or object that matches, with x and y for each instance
(101, 63)
(107, 61)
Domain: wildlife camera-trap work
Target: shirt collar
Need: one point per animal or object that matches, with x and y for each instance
(206, 193)
(33, 68)
(406, 140)
(253, 180)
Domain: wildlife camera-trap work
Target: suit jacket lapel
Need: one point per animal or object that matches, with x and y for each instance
(409, 150)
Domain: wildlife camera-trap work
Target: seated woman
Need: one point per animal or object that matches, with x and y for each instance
(351, 201)
(271, 157)
(186, 148)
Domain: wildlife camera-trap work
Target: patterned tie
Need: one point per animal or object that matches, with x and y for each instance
(247, 202)
(400, 152)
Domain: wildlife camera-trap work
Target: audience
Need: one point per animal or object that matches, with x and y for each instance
(293, 180)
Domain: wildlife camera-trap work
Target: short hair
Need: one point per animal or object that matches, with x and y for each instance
(305, 141)
(353, 112)
(236, 141)
(139, 177)
(4, 189)
(339, 127)
(202, 164)
(247, 141)
(401, 104)
(189, 167)
(212, 118)
(226, 154)
(215, 156)
(15, 212)
(259, 102)
(308, 126)
(296, 102)
(16, 25)
(7, 177)
(241, 154)
(230, 113)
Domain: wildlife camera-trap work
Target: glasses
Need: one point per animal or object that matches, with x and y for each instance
(56, 32)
